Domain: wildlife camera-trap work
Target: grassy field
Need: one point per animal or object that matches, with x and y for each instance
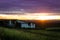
(25, 34)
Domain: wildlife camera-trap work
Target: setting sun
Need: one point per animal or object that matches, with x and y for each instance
(49, 18)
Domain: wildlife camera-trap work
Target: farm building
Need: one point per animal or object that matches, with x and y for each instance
(26, 24)
(17, 23)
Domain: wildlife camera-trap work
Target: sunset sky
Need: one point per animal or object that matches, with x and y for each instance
(30, 6)
(30, 9)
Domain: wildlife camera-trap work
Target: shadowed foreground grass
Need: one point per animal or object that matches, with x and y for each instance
(23, 34)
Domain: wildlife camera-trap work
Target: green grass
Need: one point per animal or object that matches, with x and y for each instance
(23, 34)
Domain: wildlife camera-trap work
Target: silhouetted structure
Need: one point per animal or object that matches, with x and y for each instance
(16, 24)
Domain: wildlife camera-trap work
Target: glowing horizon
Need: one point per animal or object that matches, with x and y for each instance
(36, 16)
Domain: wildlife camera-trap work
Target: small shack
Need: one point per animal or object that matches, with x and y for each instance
(23, 24)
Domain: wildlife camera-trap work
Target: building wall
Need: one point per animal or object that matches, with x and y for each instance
(25, 25)
(32, 25)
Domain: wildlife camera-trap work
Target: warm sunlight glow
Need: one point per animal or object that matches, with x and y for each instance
(35, 16)
(48, 18)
